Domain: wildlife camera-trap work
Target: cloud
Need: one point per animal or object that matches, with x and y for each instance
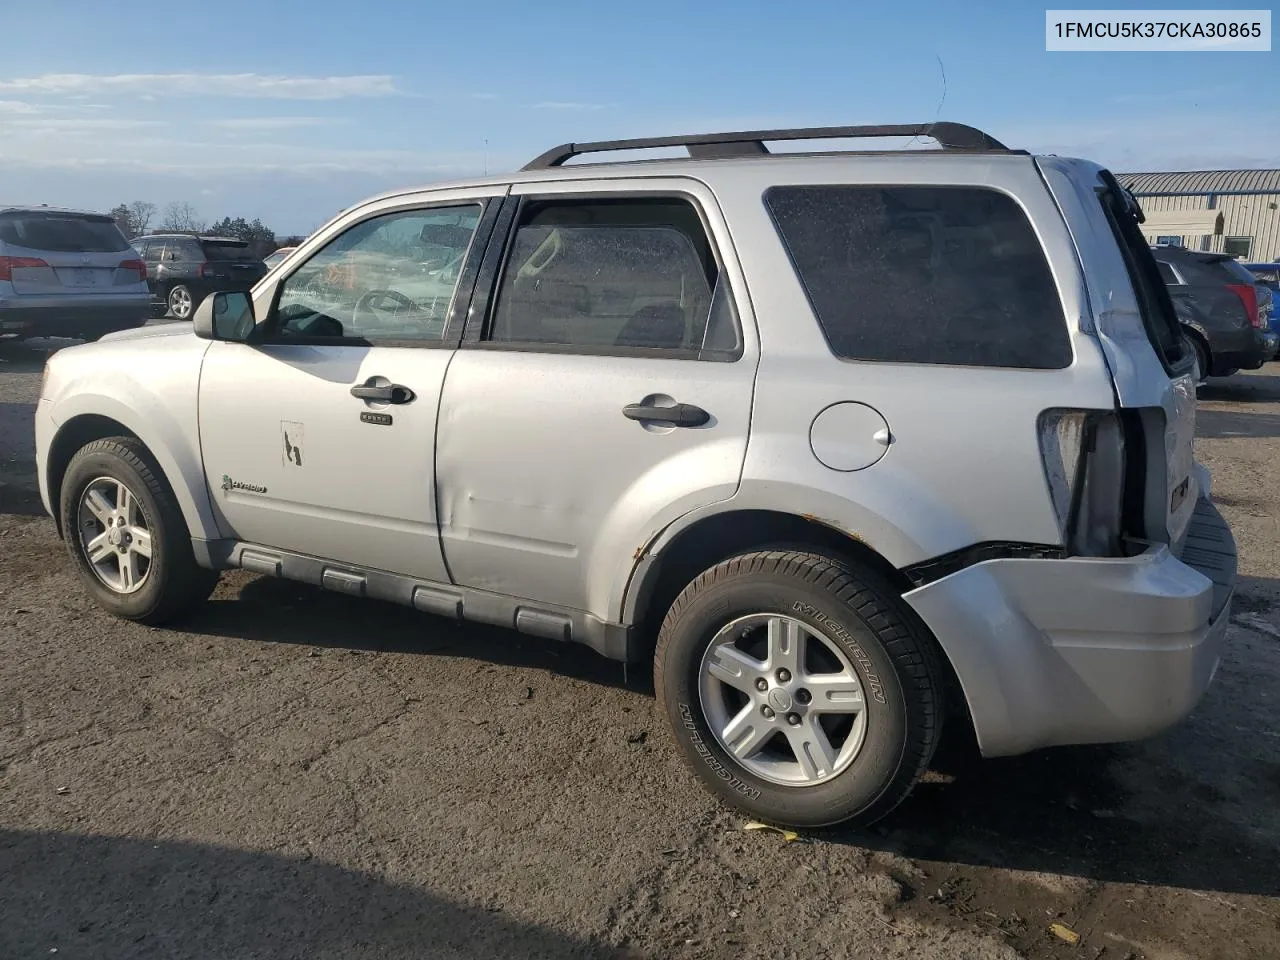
(249, 85)
(484, 96)
(271, 123)
(567, 105)
(76, 124)
(13, 107)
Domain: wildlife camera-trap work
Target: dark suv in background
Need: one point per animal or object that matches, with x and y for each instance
(183, 269)
(1222, 308)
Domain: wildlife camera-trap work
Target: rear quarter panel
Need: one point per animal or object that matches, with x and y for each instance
(964, 464)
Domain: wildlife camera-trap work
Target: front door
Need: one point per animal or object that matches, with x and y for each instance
(609, 393)
(321, 438)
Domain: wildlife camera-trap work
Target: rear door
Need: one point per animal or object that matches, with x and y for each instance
(604, 391)
(66, 254)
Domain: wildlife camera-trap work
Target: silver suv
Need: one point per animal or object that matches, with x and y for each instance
(67, 273)
(844, 442)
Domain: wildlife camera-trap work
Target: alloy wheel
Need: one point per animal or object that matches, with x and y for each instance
(115, 535)
(783, 700)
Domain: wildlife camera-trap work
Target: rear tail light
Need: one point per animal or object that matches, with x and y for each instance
(9, 264)
(1084, 461)
(137, 266)
(1248, 295)
(206, 270)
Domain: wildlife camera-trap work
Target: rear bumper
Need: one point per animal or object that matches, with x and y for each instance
(1053, 652)
(62, 316)
(1245, 349)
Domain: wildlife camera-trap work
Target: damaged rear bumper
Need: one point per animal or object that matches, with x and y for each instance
(1086, 650)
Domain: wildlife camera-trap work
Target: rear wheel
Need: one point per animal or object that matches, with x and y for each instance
(799, 688)
(126, 534)
(181, 303)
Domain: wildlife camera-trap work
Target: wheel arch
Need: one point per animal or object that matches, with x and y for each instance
(659, 577)
(111, 420)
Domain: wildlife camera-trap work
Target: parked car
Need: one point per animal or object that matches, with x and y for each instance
(1222, 309)
(67, 273)
(276, 256)
(1268, 274)
(183, 269)
(843, 444)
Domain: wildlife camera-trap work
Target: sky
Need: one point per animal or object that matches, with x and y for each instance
(289, 111)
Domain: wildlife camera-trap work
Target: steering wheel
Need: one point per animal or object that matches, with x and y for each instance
(371, 302)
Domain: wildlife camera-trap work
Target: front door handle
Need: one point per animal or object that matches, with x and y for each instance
(679, 415)
(384, 392)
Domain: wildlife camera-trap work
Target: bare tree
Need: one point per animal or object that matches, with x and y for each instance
(181, 218)
(140, 214)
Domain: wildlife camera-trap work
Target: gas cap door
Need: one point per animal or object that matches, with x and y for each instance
(849, 436)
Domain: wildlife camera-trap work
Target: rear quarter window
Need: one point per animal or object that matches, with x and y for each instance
(944, 275)
(62, 233)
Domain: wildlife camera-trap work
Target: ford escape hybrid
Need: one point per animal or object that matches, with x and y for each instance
(845, 442)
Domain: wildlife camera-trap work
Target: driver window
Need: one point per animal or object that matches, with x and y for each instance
(387, 278)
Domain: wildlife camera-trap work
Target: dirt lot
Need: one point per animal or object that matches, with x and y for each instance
(295, 774)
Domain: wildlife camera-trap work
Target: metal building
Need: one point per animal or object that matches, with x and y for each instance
(1225, 211)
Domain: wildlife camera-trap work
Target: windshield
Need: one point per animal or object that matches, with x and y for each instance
(62, 233)
(1238, 272)
(220, 250)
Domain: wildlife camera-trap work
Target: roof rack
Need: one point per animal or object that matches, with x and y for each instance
(748, 143)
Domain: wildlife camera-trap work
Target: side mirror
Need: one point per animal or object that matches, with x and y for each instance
(224, 316)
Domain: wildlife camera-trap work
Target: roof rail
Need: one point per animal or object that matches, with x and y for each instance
(746, 143)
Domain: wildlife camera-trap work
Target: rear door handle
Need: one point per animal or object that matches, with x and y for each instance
(383, 393)
(679, 415)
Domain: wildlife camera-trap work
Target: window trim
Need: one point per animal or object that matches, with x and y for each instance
(1247, 254)
(266, 331)
(1179, 279)
(986, 188)
(480, 323)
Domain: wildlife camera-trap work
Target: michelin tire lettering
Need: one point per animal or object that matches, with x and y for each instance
(837, 629)
(691, 727)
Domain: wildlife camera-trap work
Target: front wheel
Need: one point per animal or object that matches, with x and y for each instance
(126, 534)
(799, 688)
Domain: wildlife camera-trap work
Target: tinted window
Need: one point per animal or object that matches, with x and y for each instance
(615, 275)
(390, 277)
(1237, 272)
(213, 250)
(923, 275)
(1166, 273)
(62, 233)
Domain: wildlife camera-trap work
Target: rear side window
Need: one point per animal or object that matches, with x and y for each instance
(62, 233)
(951, 275)
(615, 275)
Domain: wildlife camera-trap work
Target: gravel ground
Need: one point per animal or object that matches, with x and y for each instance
(294, 774)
